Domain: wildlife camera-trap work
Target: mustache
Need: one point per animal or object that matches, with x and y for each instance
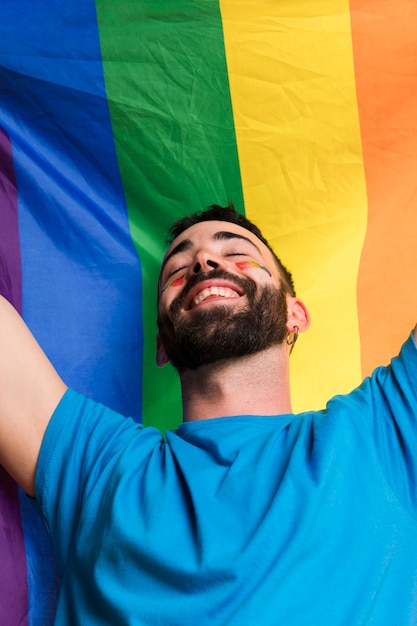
(246, 284)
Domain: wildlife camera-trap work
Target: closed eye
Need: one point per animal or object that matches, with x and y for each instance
(177, 269)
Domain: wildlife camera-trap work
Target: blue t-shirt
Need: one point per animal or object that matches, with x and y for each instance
(292, 520)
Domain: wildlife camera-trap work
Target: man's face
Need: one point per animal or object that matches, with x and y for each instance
(220, 296)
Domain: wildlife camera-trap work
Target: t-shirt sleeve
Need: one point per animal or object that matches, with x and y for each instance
(386, 405)
(80, 451)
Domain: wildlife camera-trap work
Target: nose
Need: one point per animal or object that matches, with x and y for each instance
(204, 261)
(198, 267)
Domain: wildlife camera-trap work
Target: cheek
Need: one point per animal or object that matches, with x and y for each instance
(177, 282)
(246, 265)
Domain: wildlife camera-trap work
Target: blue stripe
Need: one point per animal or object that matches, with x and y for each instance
(81, 274)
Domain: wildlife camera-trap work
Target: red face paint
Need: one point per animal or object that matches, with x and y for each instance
(177, 282)
(246, 265)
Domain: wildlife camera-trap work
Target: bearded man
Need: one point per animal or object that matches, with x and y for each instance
(247, 514)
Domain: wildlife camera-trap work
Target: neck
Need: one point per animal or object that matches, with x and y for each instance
(257, 384)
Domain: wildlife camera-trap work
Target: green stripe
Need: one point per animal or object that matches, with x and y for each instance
(168, 93)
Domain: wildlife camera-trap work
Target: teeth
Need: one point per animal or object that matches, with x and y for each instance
(225, 292)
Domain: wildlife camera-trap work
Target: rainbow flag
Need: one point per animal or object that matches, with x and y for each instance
(118, 117)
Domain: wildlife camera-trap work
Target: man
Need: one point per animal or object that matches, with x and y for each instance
(248, 514)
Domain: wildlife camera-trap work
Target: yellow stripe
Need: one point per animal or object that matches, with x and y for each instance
(294, 103)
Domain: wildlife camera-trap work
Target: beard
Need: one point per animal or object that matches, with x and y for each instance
(206, 336)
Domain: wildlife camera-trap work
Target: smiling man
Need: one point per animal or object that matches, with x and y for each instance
(247, 514)
(223, 293)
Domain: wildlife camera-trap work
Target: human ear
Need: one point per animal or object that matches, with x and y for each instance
(161, 356)
(298, 316)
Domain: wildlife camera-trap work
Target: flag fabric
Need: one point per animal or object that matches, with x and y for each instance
(118, 118)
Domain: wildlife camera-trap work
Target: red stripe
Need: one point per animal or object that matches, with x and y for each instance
(385, 56)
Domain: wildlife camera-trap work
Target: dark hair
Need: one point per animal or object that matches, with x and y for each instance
(230, 214)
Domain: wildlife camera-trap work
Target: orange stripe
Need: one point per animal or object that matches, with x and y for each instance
(385, 54)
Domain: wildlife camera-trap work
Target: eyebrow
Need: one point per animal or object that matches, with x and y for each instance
(187, 244)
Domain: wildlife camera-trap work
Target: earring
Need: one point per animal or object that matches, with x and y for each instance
(292, 337)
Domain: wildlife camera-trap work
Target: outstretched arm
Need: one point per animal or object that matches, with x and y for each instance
(30, 389)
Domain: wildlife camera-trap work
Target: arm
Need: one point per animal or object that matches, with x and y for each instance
(30, 389)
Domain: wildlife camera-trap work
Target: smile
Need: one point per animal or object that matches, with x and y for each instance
(212, 289)
(222, 292)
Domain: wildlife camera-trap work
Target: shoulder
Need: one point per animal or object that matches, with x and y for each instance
(85, 434)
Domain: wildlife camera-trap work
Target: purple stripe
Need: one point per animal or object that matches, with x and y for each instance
(13, 575)
(10, 263)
